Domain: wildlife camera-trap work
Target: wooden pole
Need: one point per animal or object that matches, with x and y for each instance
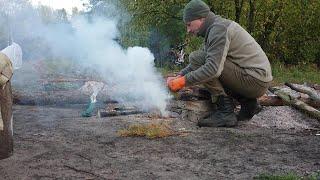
(6, 134)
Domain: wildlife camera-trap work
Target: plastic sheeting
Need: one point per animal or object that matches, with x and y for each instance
(14, 53)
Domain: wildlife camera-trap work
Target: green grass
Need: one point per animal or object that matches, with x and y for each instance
(295, 74)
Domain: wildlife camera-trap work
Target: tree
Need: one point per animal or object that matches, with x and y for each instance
(287, 30)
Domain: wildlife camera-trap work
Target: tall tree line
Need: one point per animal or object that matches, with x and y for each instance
(288, 30)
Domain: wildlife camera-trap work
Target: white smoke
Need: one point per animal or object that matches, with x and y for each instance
(93, 44)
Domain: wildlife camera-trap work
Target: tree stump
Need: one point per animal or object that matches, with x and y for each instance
(6, 131)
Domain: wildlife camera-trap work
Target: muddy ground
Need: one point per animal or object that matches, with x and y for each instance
(56, 143)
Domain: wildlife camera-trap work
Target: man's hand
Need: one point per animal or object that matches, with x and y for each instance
(172, 78)
(177, 83)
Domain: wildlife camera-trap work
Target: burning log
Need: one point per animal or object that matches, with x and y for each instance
(6, 131)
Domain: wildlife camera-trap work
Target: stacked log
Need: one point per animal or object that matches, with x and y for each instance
(308, 108)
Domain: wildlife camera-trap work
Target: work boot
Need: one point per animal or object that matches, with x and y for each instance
(224, 116)
(249, 107)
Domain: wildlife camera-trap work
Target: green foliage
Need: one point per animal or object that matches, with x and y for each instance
(287, 30)
(163, 15)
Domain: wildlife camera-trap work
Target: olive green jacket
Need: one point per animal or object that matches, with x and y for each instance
(227, 40)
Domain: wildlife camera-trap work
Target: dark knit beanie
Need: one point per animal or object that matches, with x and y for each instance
(195, 9)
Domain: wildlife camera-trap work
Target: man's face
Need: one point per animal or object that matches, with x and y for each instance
(194, 26)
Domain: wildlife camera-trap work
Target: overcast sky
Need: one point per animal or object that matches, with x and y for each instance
(59, 4)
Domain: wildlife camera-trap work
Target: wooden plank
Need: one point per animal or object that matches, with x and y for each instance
(6, 135)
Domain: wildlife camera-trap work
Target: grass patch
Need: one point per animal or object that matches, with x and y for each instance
(149, 131)
(295, 74)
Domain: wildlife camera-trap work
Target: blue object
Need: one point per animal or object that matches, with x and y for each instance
(88, 112)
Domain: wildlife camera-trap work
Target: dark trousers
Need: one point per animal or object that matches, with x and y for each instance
(233, 80)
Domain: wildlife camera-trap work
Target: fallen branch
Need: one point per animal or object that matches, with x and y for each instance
(268, 100)
(312, 94)
(292, 101)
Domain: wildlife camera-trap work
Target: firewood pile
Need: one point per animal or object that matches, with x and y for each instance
(303, 97)
(195, 102)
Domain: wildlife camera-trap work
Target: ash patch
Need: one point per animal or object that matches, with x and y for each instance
(283, 117)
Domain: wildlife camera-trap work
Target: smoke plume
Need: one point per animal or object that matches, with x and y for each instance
(92, 43)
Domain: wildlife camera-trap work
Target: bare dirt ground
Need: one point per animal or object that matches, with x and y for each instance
(56, 143)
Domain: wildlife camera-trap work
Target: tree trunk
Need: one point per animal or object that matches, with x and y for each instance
(238, 9)
(252, 10)
(6, 133)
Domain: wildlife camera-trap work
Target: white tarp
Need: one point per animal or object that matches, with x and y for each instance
(14, 53)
